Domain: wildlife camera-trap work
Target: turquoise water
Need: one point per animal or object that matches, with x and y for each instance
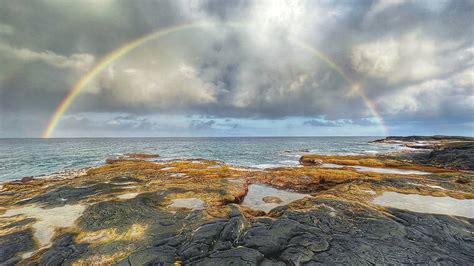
(34, 157)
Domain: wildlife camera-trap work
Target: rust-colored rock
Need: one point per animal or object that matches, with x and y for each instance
(305, 160)
(271, 199)
(130, 214)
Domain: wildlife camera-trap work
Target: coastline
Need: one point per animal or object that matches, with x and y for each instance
(135, 209)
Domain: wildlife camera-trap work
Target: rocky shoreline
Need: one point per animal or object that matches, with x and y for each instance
(441, 151)
(331, 210)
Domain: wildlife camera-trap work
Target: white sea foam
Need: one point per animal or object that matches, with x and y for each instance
(266, 165)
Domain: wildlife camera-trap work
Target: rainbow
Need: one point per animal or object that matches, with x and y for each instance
(125, 49)
(355, 87)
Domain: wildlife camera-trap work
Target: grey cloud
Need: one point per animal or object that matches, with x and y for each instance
(228, 125)
(322, 121)
(325, 123)
(201, 125)
(75, 61)
(21, 124)
(89, 125)
(392, 50)
(130, 123)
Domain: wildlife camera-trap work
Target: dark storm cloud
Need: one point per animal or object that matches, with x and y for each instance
(414, 60)
(121, 123)
(93, 125)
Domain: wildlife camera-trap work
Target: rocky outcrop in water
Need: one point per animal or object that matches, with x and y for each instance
(443, 151)
(458, 155)
(414, 139)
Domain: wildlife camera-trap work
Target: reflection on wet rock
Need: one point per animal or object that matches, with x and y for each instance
(427, 204)
(265, 198)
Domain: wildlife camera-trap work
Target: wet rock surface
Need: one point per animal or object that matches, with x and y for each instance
(312, 215)
(414, 139)
(442, 151)
(458, 155)
(355, 235)
(15, 243)
(63, 251)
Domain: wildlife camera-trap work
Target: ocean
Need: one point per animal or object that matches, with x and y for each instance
(36, 157)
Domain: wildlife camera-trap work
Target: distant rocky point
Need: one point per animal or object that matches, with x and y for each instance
(456, 152)
(423, 140)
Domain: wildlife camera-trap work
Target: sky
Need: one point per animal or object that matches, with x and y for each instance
(393, 67)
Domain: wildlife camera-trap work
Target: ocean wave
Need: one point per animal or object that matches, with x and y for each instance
(289, 162)
(266, 165)
(294, 155)
(283, 163)
(371, 152)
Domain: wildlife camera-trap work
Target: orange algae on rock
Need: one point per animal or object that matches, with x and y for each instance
(370, 161)
(133, 204)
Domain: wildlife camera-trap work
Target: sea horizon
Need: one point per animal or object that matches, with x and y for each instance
(152, 137)
(174, 132)
(38, 156)
(245, 136)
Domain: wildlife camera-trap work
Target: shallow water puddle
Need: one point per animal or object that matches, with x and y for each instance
(128, 195)
(47, 220)
(178, 175)
(389, 170)
(436, 187)
(331, 165)
(189, 203)
(427, 185)
(427, 204)
(258, 195)
(376, 169)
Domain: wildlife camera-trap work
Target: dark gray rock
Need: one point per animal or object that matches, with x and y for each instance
(122, 214)
(333, 232)
(272, 237)
(337, 232)
(18, 223)
(423, 138)
(453, 155)
(201, 241)
(454, 152)
(63, 251)
(14, 243)
(235, 256)
(164, 255)
(70, 195)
